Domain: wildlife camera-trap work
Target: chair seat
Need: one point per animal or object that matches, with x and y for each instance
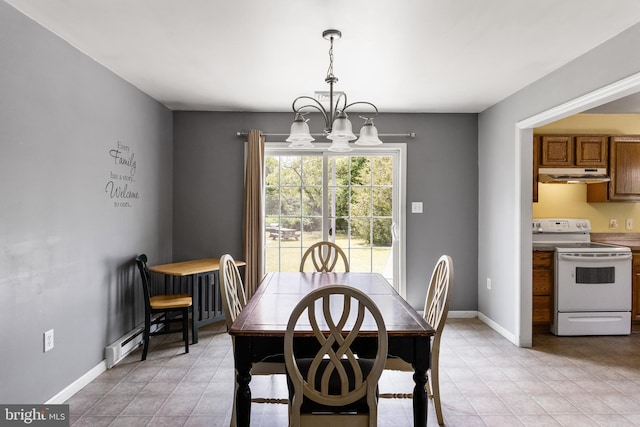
(268, 368)
(397, 364)
(161, 302)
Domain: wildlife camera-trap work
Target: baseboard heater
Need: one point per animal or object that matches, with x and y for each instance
(122, 347)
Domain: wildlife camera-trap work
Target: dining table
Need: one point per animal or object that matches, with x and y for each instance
(202, 281)
(259, 329)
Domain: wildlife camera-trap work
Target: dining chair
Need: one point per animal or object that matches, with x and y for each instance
(233, 301)
(162, 310)
(335, 387)
(324, 257)
(436, 309)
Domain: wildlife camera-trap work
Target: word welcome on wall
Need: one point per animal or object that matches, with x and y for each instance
(121, 184)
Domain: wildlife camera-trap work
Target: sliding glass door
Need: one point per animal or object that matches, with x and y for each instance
(352, 199)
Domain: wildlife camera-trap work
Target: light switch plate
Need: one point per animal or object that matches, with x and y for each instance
(416, 207)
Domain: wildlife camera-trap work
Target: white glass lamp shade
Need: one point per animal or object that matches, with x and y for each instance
(340, 145)
(368, 134)
(299, 136)
(341, 128)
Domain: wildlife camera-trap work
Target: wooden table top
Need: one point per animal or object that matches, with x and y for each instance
(188, 268)
(267, 312)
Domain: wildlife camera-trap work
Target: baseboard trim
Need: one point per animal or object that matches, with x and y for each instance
(499, 329)
(462, 314)
(78, 384)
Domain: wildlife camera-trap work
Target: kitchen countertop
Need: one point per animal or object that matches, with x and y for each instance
(543, 247)
(630, 240)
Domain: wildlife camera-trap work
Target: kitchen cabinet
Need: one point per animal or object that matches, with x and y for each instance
(592, 150)
(574, 151)
(542, 284)
(625, 168)
(557, 150)
(635, 286)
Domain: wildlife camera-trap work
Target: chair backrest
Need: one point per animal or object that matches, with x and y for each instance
(231, 289)
(334, 377)
(141, 262)
(325, 256)
(436, 306)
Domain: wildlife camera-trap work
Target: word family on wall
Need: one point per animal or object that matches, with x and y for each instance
(121, 185)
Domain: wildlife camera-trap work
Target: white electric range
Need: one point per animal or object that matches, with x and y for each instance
(592, 284)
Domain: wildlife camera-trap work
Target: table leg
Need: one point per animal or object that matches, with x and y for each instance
(195, 309)
(421, 365)
(420, 398)
(243, 393)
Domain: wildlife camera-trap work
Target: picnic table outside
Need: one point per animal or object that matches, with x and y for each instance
(275, 231)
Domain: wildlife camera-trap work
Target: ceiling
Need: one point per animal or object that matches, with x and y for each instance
(257, 55)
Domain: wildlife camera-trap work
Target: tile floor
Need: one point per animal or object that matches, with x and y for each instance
(485, 381)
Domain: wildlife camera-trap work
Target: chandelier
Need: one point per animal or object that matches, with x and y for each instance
(338, 127)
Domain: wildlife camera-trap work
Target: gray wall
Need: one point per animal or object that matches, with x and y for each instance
(442, 172)
(504, 215)
(66, 251)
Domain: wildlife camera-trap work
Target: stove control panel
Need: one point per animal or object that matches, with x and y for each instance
(560, 225)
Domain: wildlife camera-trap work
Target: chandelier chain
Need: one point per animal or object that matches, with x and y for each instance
(330, 69)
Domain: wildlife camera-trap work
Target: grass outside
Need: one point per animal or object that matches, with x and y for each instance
(286, 255)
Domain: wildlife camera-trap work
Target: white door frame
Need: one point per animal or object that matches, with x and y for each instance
(524, 183)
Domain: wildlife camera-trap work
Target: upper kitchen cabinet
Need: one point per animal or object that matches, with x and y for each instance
(625, 168)
(557, 150)
(592, 150)
(574, 150)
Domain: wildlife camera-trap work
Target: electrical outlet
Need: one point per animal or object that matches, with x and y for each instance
(48, 340)
(613, 223)
(629, 224)
(488, 283)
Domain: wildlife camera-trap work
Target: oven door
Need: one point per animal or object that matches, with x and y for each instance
(590, 281)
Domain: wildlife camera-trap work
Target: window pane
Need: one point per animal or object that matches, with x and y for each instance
(382, 232)
(360, 201)
(290, 227)
(382, 201)
(290, 259)
(360, 171)
(290, 170)
(360, 259)
(309, 237)
(382, 170)
(272, 259)
(271, 202)
(338, 170)
(271, 170)
(339, 201)
(312, 201)
(312, 170)
(382, 261)
(360, 232)
(290, 201)
(341, 230)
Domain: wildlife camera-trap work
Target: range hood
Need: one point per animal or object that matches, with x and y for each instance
(571, 175)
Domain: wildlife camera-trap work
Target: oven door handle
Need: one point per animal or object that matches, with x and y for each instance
(595, 257)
